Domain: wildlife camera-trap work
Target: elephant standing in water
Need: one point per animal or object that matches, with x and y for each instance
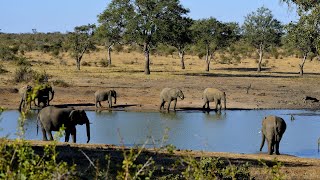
(273, 128)
(214, 95)
(101, 95)
(168, 95)
(52, 119)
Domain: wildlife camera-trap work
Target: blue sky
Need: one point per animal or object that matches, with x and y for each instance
(21, 16)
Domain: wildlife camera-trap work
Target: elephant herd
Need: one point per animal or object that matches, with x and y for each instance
(53, 118)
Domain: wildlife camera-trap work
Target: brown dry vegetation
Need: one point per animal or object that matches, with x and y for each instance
(278, 86)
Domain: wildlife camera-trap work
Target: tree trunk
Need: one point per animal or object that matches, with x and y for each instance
(302, 64)
(109, 55)
(181, 54)
(208, 60)
(147, 58)
(78, 64)
(260, 58)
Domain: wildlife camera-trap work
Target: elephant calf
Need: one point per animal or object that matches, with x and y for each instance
(52, 119)
(214, 95)
(273, 128)
(168, 95)
(101, 95)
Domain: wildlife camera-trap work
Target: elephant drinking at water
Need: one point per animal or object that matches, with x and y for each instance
(101, 95)
(214, 95)
(273, 128)
(52, 119)
(168, 95)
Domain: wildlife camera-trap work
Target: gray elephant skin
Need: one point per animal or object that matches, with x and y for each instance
(29, 94)
(214, 95)
(168, 95)
(52, 118)
(273, 128)
(102, 95)
(25, 92)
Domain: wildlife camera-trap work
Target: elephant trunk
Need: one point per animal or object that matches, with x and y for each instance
(52, 95)
(115, 98)
(225, 101)
(88, 131)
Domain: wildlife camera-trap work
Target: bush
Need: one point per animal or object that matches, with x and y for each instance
(84, 63)
(60, 83)
(7, 54)
(104, 63)
(23, 74)
(2, 70)
(22, 61)
(213, 168)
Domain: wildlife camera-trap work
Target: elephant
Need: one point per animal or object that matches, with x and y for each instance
(42, 94)
(273, 128)
(25, 92)
(52, 119)
(102, 95)
(214, 95)
(168, 95)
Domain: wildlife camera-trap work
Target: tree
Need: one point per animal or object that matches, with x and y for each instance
(262, 31)
(302, 37)
(212, 35)
(112, 24)
(80, 41)
(146, 27)
(179, 35)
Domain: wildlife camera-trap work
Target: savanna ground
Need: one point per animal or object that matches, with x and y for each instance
(277, 86)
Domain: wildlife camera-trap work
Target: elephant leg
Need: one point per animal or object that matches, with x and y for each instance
(66, 139)
(100, 103)
(44, 135)
(277, 148)
(270, 147)
(175, 104)
(50, 135)
(73, 135)
(168, 106)
(216, 105)
(162, 104)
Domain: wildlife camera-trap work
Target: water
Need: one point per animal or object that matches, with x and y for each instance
(236, 131)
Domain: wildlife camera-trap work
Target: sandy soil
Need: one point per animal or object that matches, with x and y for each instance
(279, 86)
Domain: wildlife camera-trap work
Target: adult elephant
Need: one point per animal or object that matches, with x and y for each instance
(25, 93)
(52, 119)
(102, 95)
(41, 93)
(168, 95)
(214, 95)
(273, 128)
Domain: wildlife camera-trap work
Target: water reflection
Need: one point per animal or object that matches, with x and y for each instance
(228, 131)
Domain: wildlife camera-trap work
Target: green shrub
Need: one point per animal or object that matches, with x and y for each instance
(22, 61)
(7, 54)
(23, 74)
(213, 168)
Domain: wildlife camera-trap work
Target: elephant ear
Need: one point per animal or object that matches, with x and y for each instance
(73, 115)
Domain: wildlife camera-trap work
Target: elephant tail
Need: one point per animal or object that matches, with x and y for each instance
(38, 119)
(263, 140)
